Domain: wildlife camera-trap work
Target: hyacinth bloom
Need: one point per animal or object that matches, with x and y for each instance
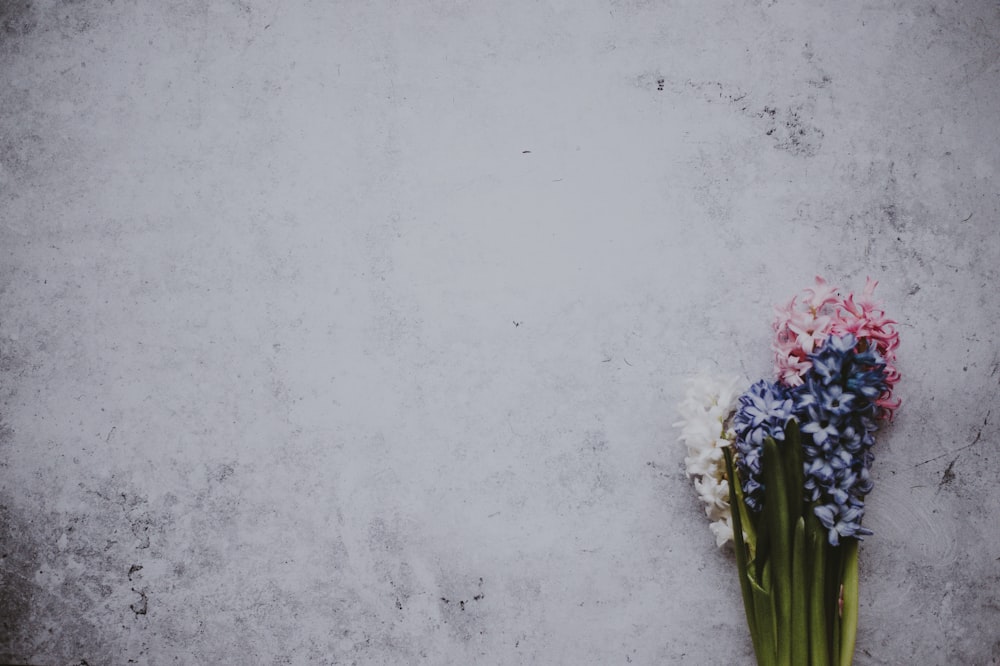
(762, 412)
(805, 322)
(708, 403)
(797, 459)
(837, 409)
(800, 326)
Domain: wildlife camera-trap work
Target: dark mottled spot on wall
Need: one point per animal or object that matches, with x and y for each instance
(17, 561)
(894, 217)
(595, 441)
(948, 475)
(142, 605)
(12, 362)
(17, 17)
(789, 126)
(461, 614)
(63, 566)
(821, 81)
(383, 537)
(6, 435)
(224, 471)
(78, 21)
(791, 131)
(17, 153)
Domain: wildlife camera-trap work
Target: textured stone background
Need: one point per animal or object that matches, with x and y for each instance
(350, 332)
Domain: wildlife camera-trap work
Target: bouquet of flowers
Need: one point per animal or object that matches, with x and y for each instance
(783, 469)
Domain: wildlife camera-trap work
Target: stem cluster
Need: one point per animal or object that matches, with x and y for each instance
(800, 593)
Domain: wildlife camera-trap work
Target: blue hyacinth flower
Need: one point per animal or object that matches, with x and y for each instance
(836, 408)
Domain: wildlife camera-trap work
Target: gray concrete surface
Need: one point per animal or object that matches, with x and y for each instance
(351, 332)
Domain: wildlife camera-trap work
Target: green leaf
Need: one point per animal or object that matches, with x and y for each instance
(818, 620)
(834, 576)
(849, 621)
(792, 454)
(764, 608)
(800, 588)
(737, 507)
(776, 516)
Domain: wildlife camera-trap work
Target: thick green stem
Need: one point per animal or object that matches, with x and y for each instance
(776, 511)
(794, 474)
(800, 584)
(794, 481)
(764, 607)
(849, 621)
(834, 575)
(800, 594)
(818, 625)
(739, 545)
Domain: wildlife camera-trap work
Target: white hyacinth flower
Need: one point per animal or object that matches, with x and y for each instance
(708, 403)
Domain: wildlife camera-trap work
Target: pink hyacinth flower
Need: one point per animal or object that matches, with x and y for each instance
(803, 324)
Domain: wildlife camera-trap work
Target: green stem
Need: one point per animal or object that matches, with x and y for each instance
(794, 473)
(794, 481)
(800, 583)
(739, 545)
(834, 575)
(776, 512)
(849, 621)
(818, 646)
(764, 608)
